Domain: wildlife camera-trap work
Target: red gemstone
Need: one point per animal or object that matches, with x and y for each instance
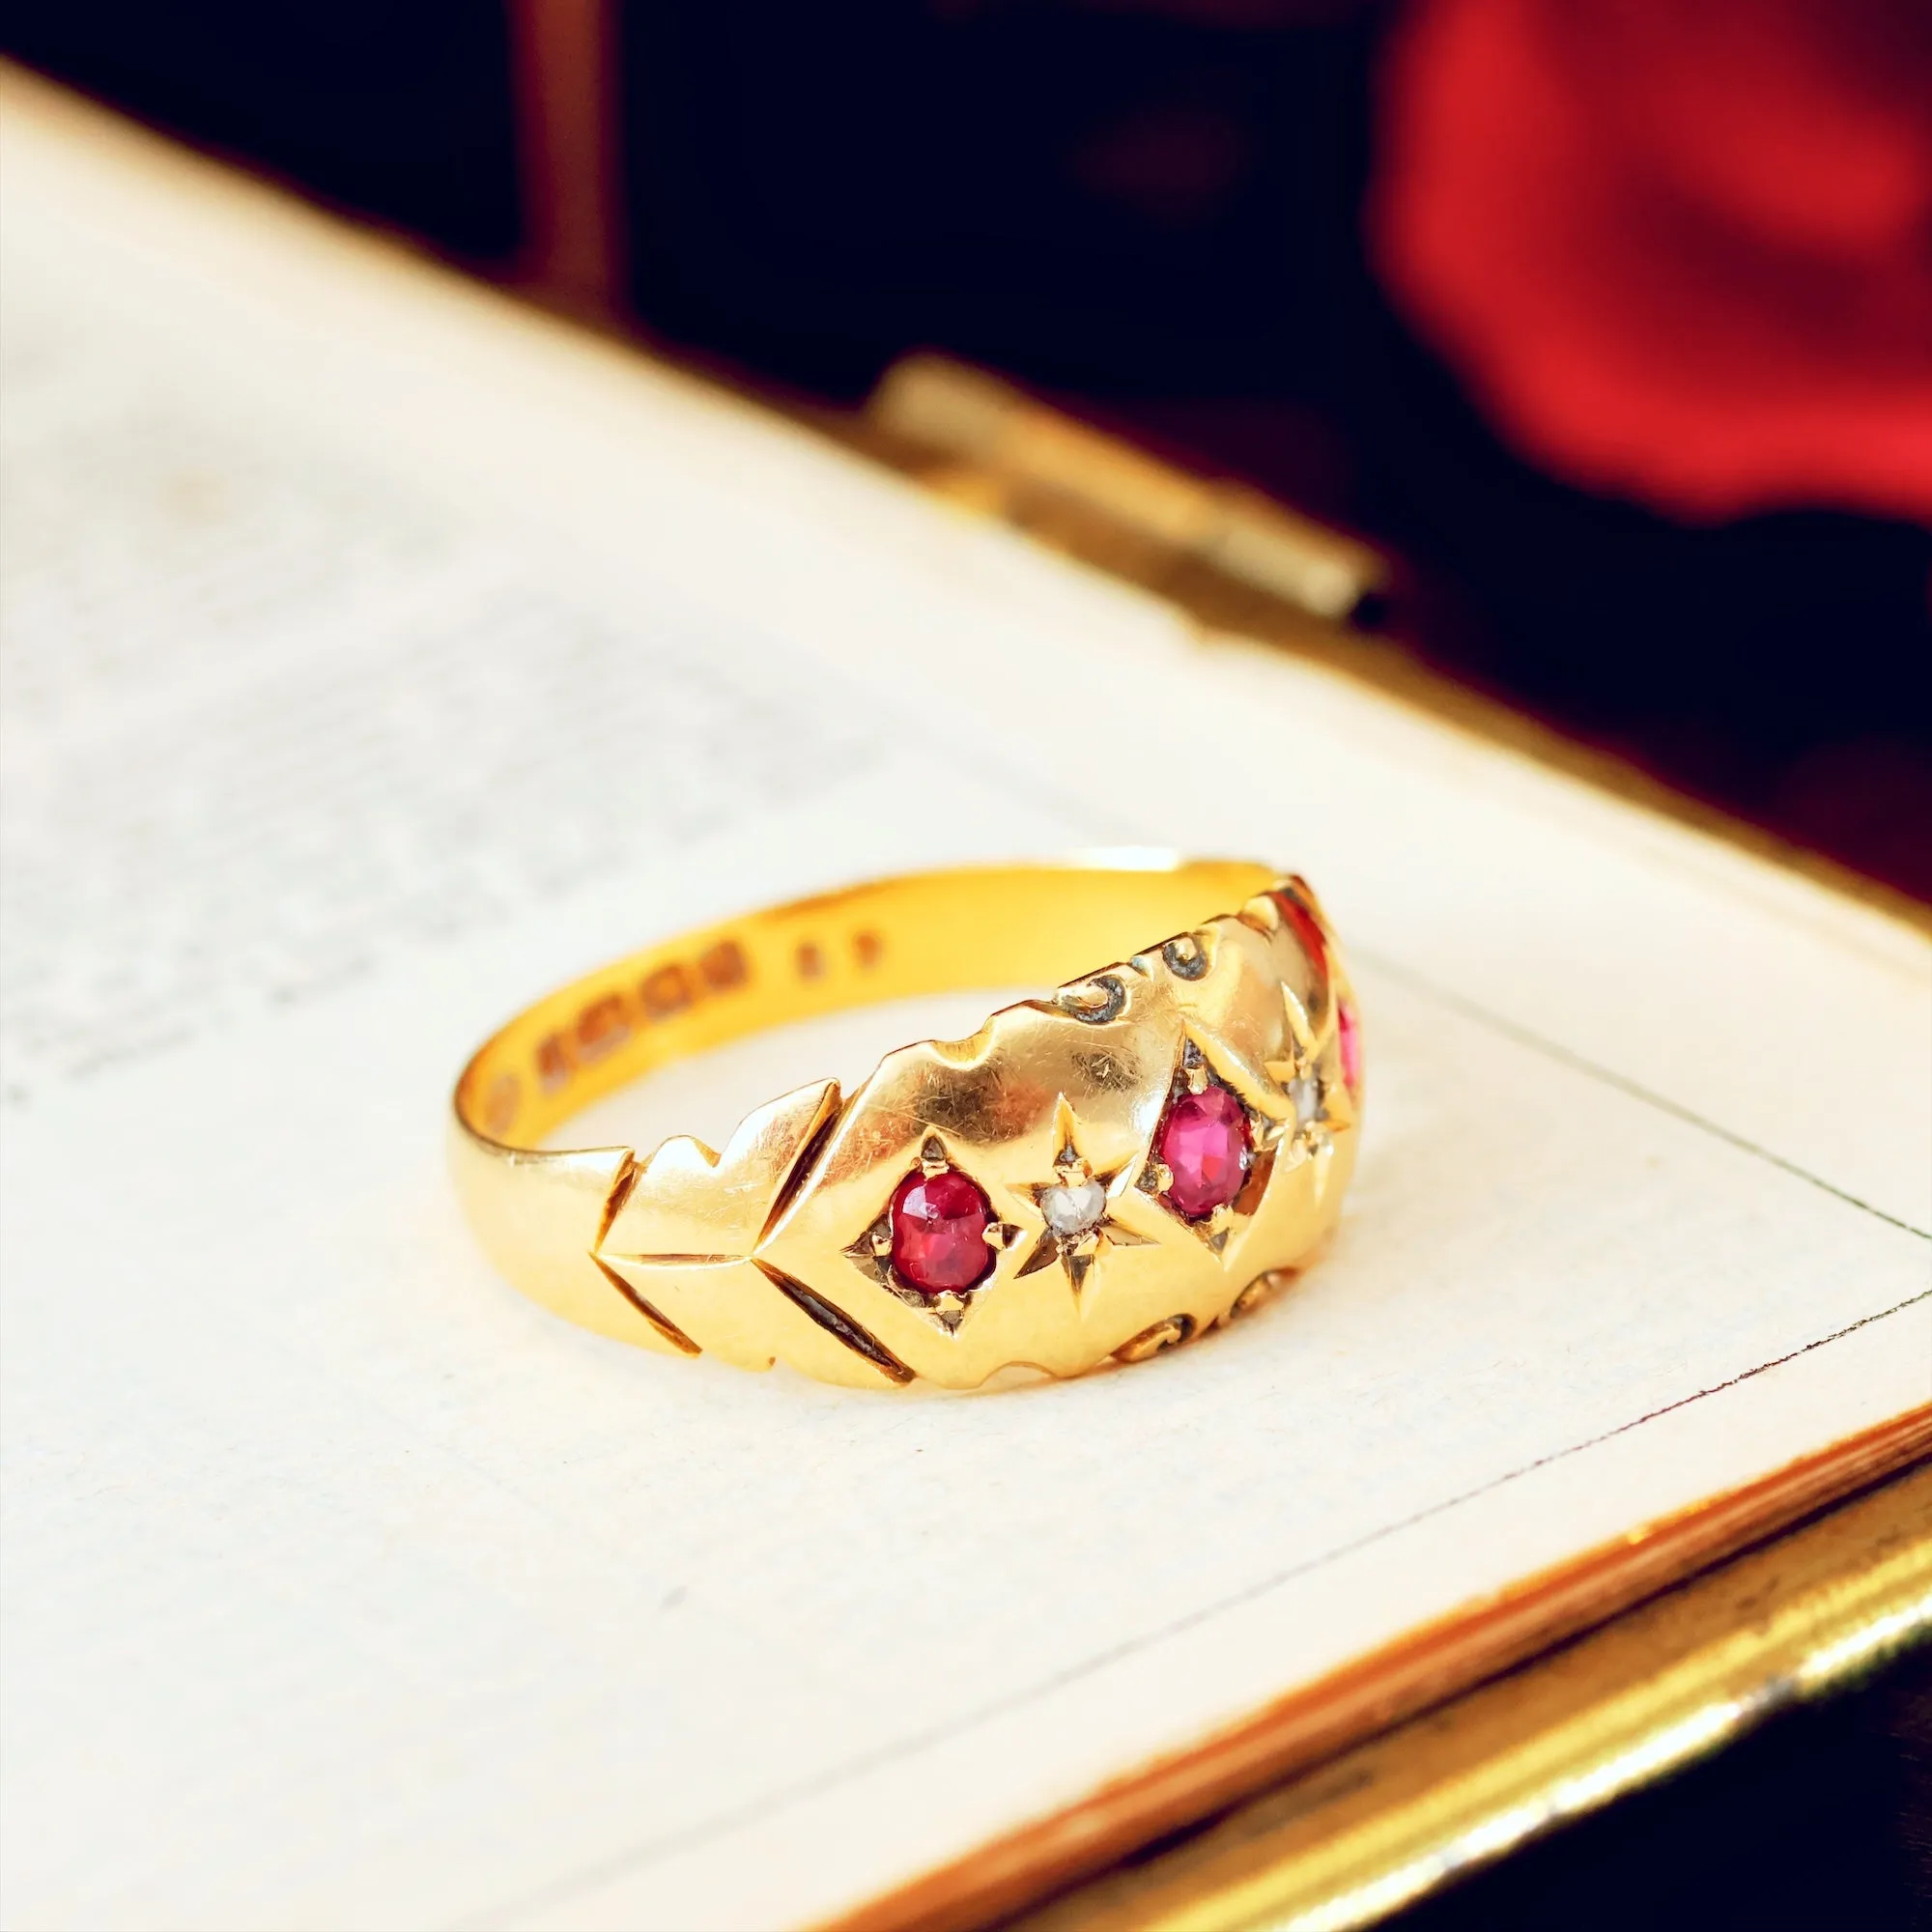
(1349, 1037)
(1306, 929)
(939, 1231)
(1205, 1148)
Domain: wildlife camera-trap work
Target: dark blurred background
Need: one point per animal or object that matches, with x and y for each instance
(1152, 212)
(1615, 330)
(1819, 1822)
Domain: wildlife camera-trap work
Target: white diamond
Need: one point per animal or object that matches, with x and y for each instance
(1072, 1210)
(1306, 1094)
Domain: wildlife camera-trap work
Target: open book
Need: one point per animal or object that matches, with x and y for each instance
(378, 655)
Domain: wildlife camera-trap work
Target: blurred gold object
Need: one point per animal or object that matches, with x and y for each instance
(1458, 1739)
(1401, 1814)
(1014, 456)
(1104, 1172)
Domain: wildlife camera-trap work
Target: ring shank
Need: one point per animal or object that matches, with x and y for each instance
(928, 932)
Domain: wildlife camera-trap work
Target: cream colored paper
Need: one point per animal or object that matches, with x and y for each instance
(378, 655)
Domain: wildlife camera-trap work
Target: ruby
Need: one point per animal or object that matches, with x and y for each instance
(939, 1231)
(1306, 929)
(1348, 1039)
(1205, 1148)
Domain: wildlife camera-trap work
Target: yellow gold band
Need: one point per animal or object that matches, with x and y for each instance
(1098, 1173)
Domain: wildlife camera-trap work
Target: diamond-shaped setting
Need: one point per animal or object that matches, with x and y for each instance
(938, 1241)
(1206, 1146)
(940, 1224)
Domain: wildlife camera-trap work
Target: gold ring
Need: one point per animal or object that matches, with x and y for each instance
(1100, 1172)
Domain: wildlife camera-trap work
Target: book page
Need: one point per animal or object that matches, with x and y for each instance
(378, 655)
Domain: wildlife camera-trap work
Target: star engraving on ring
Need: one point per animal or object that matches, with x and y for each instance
(1268, 1130)
(1077, 1207)
(1306, 1130)
(1309, 1077)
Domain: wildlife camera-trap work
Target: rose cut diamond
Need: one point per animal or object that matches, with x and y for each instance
(1071, 1211)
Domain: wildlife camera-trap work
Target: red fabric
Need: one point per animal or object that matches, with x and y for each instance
(1679, 250)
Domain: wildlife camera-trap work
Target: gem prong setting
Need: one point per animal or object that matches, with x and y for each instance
(1076, 1208)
